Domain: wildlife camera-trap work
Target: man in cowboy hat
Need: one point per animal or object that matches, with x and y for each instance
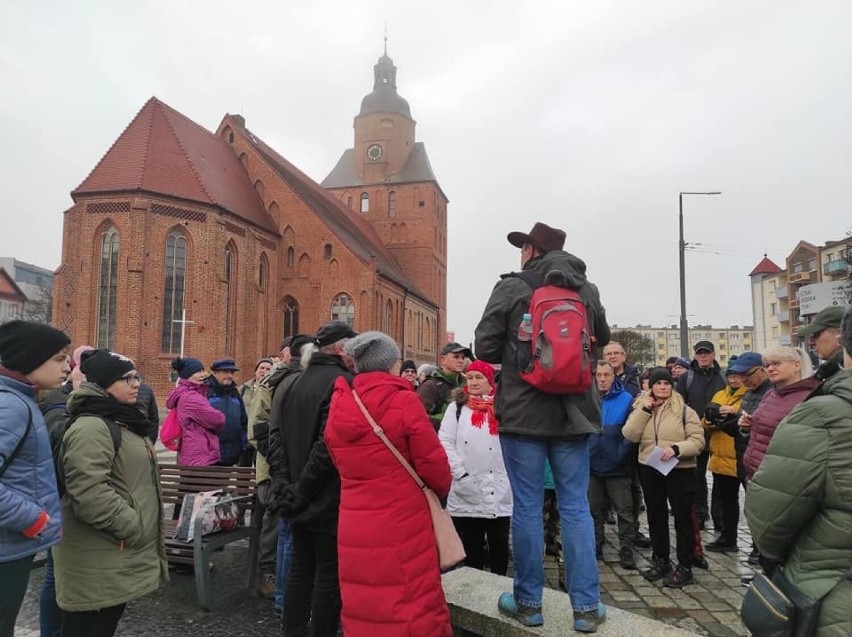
(535, 426)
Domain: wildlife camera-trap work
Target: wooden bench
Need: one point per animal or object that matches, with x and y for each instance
(176, 481)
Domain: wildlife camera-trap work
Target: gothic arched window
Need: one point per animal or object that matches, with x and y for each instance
(365, 202)
(108, 288)
(343, 309)
(230, 296)
(290, 317)
(174, 286)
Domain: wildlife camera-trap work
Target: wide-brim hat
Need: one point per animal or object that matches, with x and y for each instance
(542, 237)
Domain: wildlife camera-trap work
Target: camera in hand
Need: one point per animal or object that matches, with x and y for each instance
(715, 418)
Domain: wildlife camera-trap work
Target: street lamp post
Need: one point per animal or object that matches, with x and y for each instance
(684, 327)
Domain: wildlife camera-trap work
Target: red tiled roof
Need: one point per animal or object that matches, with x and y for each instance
(356, 233)
(8, 288)
(162, 151)
(766, 266)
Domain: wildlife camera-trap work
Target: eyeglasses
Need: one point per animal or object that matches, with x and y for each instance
(752, 372)
(132, 379)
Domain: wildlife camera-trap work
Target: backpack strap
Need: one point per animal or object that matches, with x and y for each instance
(458, 411)
(8, 460)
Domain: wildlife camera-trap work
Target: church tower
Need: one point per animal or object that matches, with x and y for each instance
(386, 177)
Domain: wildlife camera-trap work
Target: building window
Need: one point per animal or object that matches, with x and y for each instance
(327, 251)
(230, 296)
(392, 204)
(389, 318)
(773, 308)
(262, 273)
(812, 264)
(291, 256)
(343, 309)
(365, 202)
(772, 286)
(173, 293)
(108, 289)
(291, 317)
(349, 203)
(797, 267)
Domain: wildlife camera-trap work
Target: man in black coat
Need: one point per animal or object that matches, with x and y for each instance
(306, 488)
(698, 386)
(535, 426)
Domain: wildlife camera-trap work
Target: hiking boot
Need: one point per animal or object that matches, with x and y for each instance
(699, 561)
(588, 621)
(641, 541)
(659, 568)
(680, 577)
(718, 546)
(266, 585)
(527, 615)
(625, 557)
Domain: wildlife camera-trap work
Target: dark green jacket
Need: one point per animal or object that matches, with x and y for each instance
(112, 548)
(521, 408)
(435, 393)
(799, 504)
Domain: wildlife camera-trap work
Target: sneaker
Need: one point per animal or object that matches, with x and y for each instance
(625, 557)
(641, 541)
(527, 615)
(659, 568)
(679, 577)
(699, 561)
(266, 585)
(745, 580)
(754, 556)
(718, 546)
(588, 621)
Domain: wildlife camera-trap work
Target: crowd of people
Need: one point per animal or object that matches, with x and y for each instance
(522, 471)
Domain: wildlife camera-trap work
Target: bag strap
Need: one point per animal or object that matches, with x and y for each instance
(8, 460)
(381, 434)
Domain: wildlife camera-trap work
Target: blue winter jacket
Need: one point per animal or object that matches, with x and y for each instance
(233, 437)
(610, 453)
(28, 484)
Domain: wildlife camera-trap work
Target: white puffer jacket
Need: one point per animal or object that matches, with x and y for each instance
(484, 492)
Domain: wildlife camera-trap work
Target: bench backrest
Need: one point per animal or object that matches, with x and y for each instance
(177, 480)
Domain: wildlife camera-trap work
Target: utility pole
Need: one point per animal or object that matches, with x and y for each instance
(684, 326)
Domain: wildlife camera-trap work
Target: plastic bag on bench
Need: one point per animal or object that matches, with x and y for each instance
(217, 510)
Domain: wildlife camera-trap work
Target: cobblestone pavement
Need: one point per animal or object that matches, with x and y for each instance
(711, 606)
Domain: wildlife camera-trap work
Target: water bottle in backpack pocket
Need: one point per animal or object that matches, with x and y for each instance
(523, 355)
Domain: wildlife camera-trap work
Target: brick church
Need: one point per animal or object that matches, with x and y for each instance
(176, 223)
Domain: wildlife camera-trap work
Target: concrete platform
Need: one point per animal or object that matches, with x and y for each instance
(472, 596)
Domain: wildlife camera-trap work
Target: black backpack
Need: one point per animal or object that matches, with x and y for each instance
(57, 430)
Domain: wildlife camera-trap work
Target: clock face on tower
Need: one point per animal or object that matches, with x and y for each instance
(374, 152)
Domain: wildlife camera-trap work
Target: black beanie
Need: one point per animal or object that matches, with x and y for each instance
(658, 374)
(103, 367)
(25, 346)
(186, 367)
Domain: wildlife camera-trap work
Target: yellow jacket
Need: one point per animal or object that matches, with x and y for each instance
(723, 455)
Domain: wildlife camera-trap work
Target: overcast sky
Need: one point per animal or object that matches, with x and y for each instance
(589, 116)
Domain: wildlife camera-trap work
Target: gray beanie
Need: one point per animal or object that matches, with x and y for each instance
(372, 352)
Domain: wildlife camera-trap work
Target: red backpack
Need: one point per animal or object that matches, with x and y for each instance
(558, 360)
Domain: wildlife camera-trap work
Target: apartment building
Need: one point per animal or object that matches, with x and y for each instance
(666, 341)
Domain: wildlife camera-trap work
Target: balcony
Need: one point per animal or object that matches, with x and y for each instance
(794, 304)
(838, 267)
(799, 277)
(781, 293)
(783, 317)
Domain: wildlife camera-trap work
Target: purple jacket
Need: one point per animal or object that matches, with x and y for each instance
(199, 424)
(774, 407)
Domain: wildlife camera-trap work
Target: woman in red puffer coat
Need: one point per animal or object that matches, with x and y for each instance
(390, 582)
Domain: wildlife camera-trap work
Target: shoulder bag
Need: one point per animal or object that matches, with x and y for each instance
(450, 548)
(778, 608)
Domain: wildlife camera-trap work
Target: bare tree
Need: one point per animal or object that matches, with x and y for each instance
(638, 349)
(39, 306)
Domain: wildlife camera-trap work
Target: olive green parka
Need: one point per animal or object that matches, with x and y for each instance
(112, 549)
(799, 503)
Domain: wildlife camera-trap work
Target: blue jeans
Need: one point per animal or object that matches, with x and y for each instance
(524, 458)
(285, 548)
(49, 614)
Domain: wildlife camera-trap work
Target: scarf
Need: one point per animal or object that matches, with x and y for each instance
(483, 411)
(128, 416)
